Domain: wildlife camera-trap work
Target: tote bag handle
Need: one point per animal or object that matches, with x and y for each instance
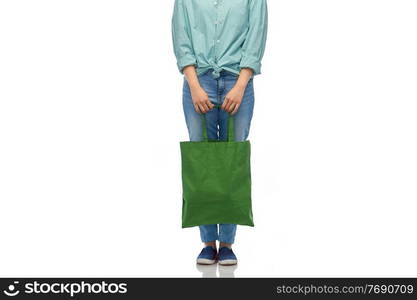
(230, 127)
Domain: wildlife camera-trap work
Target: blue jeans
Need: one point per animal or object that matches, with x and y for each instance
(216, 120)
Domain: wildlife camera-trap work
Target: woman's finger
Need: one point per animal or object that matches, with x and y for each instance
(236, 109)
(202, 109)
(231, 106)
(209, 104)
(224, 104)
(197, 108)
(205, 106)
(227, 106)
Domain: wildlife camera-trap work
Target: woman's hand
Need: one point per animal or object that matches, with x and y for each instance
(201, 100)
(234, 97)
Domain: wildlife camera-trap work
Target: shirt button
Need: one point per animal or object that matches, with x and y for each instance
(218, 41)
(215, 3)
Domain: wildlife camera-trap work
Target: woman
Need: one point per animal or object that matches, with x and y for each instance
(219, 45)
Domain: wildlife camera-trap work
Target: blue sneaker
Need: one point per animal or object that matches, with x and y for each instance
(227, 257)
(208, 256)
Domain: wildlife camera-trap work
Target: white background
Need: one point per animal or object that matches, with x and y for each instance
(91, 117)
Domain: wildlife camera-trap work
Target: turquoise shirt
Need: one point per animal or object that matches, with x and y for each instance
(220, 34)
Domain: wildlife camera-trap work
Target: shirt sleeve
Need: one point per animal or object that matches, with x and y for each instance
(181, 37)
(254, 46)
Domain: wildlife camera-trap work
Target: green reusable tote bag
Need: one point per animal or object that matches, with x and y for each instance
(216, 180)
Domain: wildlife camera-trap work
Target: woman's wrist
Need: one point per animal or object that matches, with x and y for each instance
(194, 84)
(244, 77)
(241, 84)
(191, 76)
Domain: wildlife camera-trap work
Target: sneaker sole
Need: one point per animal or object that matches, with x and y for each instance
(205, 261)
(228, 262)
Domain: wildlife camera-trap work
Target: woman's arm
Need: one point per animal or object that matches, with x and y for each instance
(181, 37)
(186, 60)
(201, 101)
(252, 52)
(254, 46)
(235, 95)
